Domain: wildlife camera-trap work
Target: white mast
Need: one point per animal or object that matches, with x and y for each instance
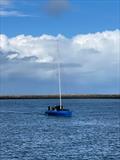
(59, 74)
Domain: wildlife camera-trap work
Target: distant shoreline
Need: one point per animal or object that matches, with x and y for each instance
(64, 96)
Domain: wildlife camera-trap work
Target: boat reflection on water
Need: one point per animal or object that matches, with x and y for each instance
(58, 111)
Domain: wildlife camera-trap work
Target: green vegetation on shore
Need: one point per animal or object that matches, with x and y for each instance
(64, 96)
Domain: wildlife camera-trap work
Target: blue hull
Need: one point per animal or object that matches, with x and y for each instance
(59, 113)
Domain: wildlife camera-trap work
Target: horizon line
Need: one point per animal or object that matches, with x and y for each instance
(56, 96)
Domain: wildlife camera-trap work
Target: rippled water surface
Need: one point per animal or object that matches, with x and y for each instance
(92, 133)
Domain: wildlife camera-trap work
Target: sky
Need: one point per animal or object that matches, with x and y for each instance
(88, 35)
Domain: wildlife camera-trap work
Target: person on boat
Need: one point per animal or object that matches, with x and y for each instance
(62, 107)
(53, 108)
(58, 108)
(48, 108)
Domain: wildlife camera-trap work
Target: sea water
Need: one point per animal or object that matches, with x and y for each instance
(92, 133)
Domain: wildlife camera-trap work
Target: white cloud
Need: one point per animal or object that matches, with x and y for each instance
(5, 2)
(12, 13)
(7, 11)
(94, 56)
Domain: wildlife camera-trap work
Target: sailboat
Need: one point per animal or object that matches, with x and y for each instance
(58, 110)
